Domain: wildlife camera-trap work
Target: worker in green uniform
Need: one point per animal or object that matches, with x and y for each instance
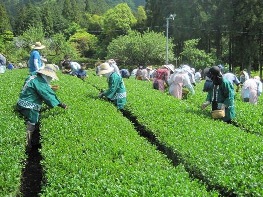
(116, 89)
(35, 91)
(221, 96)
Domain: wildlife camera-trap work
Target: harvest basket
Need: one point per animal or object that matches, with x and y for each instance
(216, 114)
(55, 87)
(185, 93)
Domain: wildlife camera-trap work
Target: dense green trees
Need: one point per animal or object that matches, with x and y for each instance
(4, 19)
(140, 48)
(85, 43)
(194, 56)
(229, 30)
(49, 19)
(118, 21)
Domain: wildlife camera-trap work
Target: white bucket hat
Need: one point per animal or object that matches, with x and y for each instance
(49, 71)
(149, 67)
(105, 68)
(179, 70)
(38, 45)
(169, 66)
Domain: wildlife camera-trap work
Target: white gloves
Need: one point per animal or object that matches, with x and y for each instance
(204, 105)
(223, 106)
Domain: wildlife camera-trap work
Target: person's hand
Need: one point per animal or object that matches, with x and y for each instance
(223, 106)
(100, 95)
(62, 105)
(237, 89)
(204, 105)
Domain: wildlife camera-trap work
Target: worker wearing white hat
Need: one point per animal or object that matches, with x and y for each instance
(35, 91)
(116, 91)
(35, 60)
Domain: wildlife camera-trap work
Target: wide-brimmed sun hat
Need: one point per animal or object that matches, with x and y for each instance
(149, 67)
(53, 66)
(186, 68)
(179, 70)
(49, 71)
(170, 67)
(38, 45)
(105, 68)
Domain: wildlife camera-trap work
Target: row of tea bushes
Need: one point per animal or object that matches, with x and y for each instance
(12, 129)
(195, 140)
(248, 116)
(226, 156)
(92, 150)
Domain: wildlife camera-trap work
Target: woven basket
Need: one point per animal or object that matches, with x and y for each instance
(216, 114)
(185, 91)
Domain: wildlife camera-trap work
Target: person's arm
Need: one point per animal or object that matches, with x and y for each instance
(63, 105)
(205, 104)
(228, 94)
(171, 79)
(43, 59)
(166, 76)
(36, 64)
(208, 99)
(47, 94)
(237, 82)
(187, 84)
(113, 86)
(36, 59)
(259, 88)
(238, 87)
(2, 60)
(145, 74)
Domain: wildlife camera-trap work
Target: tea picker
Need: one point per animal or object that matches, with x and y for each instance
(36, 91)
(116, 91)
(221, 96)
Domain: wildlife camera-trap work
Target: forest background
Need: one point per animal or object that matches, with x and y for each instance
(134, 32)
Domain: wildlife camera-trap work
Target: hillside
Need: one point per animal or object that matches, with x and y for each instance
(95, 6)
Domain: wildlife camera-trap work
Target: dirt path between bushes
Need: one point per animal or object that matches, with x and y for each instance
(32, 174)
(174, 157)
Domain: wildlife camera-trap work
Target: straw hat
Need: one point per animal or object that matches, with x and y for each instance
(105, 68)
(38, 45)
(169, 66)
(53, 66)
(49, 71)
(149, 67)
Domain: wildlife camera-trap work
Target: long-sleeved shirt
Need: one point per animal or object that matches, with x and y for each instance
(35, 62)
(116, 90)
(224, 95)
(36, 91)
(232, 78)
(251, 89)
(176, 83)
